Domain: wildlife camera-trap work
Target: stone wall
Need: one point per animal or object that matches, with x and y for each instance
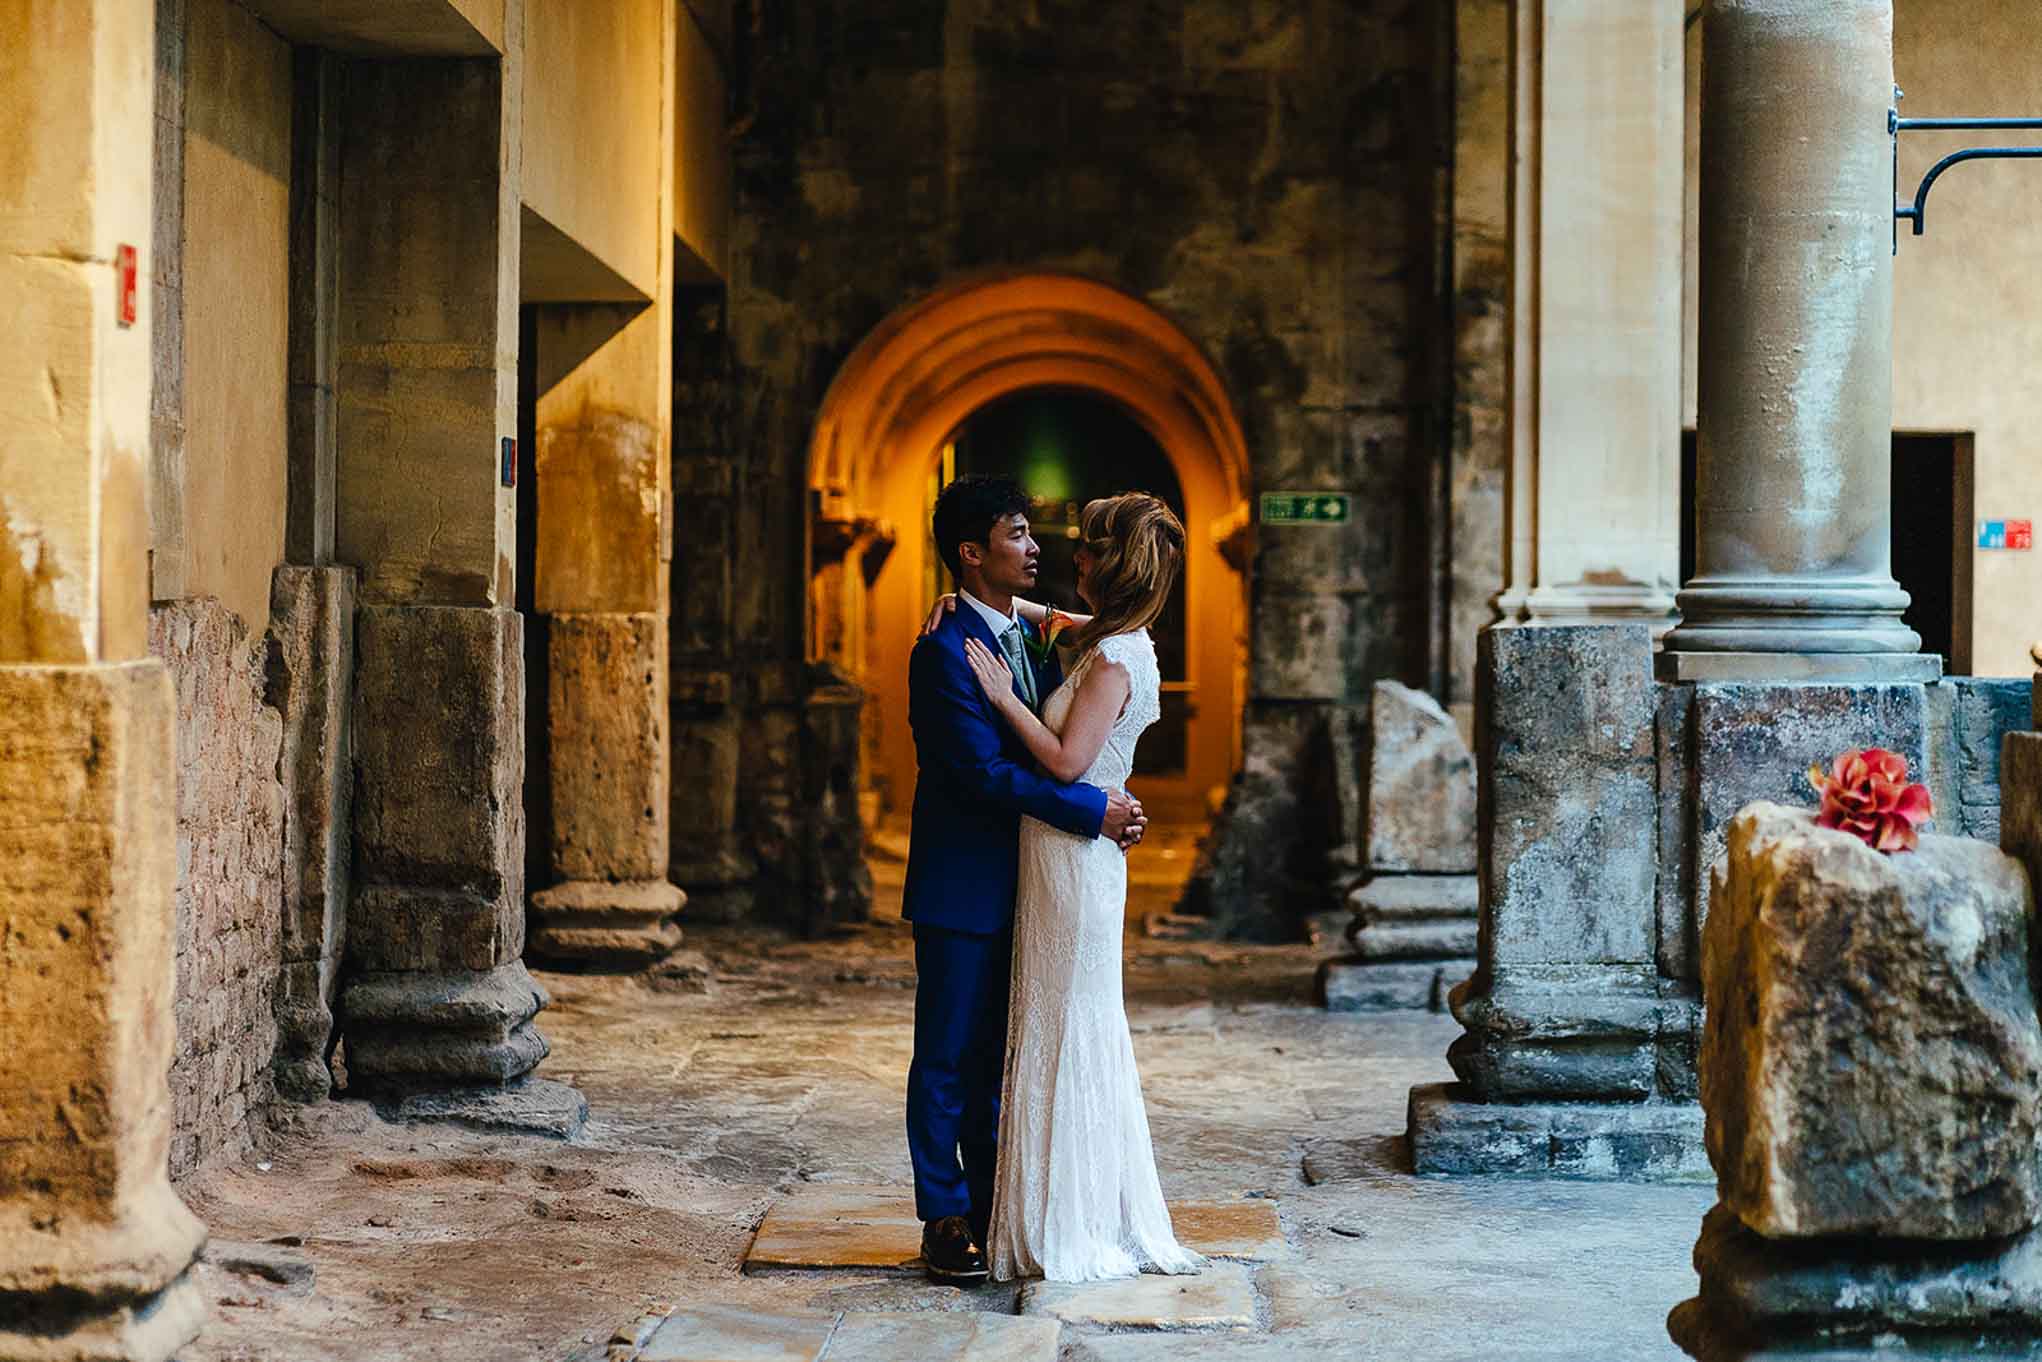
(1267, 177)
(230, 815)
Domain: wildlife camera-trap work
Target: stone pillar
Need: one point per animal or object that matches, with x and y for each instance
(1596, 122)
(1793, 576)
(438, 1000)
(1576, 1060)
(95, 1247)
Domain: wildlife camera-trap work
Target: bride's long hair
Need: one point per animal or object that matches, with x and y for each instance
(1137, 548)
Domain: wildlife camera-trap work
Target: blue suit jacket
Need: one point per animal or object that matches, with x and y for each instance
(976, 780)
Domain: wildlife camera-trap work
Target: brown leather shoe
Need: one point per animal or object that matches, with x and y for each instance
(950, 1255)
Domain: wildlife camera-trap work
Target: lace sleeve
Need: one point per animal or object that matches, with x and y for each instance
(1137, 653)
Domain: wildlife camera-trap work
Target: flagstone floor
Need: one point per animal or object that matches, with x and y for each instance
(740, 1194)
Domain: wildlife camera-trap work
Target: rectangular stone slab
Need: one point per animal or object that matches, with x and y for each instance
(722, 1333)
(873, 1336)
(866, 1227)
(1221, 1297)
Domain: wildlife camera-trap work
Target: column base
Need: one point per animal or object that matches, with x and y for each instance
(604, 926)
(1858, 1298)
(421, 1029)
(1452, 1133)
(150, 1328)
(530, 1106)
(1785, 667)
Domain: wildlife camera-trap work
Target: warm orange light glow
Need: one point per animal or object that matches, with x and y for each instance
(902, 395)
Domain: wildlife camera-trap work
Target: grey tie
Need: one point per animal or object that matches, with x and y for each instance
(1017, 658)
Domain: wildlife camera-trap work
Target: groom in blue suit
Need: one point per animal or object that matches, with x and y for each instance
(975, 782)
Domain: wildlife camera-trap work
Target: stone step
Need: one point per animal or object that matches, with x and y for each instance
(725, 1333)
(1416, 898)
(1221, 1297)
(1416, 940)
(869, 1228)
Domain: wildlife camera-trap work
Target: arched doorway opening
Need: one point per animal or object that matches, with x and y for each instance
(957, 379)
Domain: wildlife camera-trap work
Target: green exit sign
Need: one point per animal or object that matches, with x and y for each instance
(1304, 508)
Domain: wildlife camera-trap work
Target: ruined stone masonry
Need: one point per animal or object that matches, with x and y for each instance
(1415, 915)
(1872, 1073)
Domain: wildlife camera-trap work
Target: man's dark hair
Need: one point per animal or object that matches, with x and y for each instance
(968, 509)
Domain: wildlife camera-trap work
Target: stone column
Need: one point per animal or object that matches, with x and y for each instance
(438, 1000)
(1596, 119)
(95, 1247)
(604, 542)
(1793, 577)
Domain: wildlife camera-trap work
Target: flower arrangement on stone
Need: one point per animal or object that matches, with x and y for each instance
(1043, 640)
(1868, 795)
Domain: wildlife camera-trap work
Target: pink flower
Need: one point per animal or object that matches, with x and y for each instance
(1867, 794)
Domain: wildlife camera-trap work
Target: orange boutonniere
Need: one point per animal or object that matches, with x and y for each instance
(1042, 640)
(1868, 795)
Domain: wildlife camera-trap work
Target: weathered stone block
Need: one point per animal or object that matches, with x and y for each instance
(435, 926)
(1756, 1289)
(1984, 711)
(1453, 1132)
(1388, 985)
(1421, 786)
(1755, 741)
(606, 717)
(1416, 941)
(439, 755)
(605, 924)
(1569, 783)
(90, 1230)
(310, 675)
(1871, 1062)
(1415, 898)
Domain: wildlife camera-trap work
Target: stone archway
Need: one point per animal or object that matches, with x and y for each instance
(900, 396)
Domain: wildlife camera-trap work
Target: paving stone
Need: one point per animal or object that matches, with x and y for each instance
(1248, 1229)
(1221, 1297)
(877, 1337)
(838, 1226)
(863, 1226)
(722, 1333)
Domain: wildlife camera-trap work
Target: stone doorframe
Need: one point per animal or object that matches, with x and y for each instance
(908, 387)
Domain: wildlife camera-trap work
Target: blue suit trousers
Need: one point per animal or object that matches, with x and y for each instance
(960, 1061)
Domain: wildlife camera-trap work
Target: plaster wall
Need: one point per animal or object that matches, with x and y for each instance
(237, 159)
(1968, 294)
(591, 128)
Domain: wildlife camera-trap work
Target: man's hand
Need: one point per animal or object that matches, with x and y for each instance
(1125, 822)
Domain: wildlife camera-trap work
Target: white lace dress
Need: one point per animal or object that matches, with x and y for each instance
(1076, 1197)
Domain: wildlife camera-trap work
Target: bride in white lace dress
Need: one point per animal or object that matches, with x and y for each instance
(1076, 1197)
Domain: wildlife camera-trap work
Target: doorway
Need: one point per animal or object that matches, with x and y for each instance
(1066, 447)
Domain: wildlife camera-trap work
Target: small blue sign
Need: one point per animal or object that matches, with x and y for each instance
(1992, 534)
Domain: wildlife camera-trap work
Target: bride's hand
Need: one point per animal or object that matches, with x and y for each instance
(945, 603)
(991, 670)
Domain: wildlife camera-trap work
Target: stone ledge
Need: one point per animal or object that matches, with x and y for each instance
(1416, 898)
(1452, 1134)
